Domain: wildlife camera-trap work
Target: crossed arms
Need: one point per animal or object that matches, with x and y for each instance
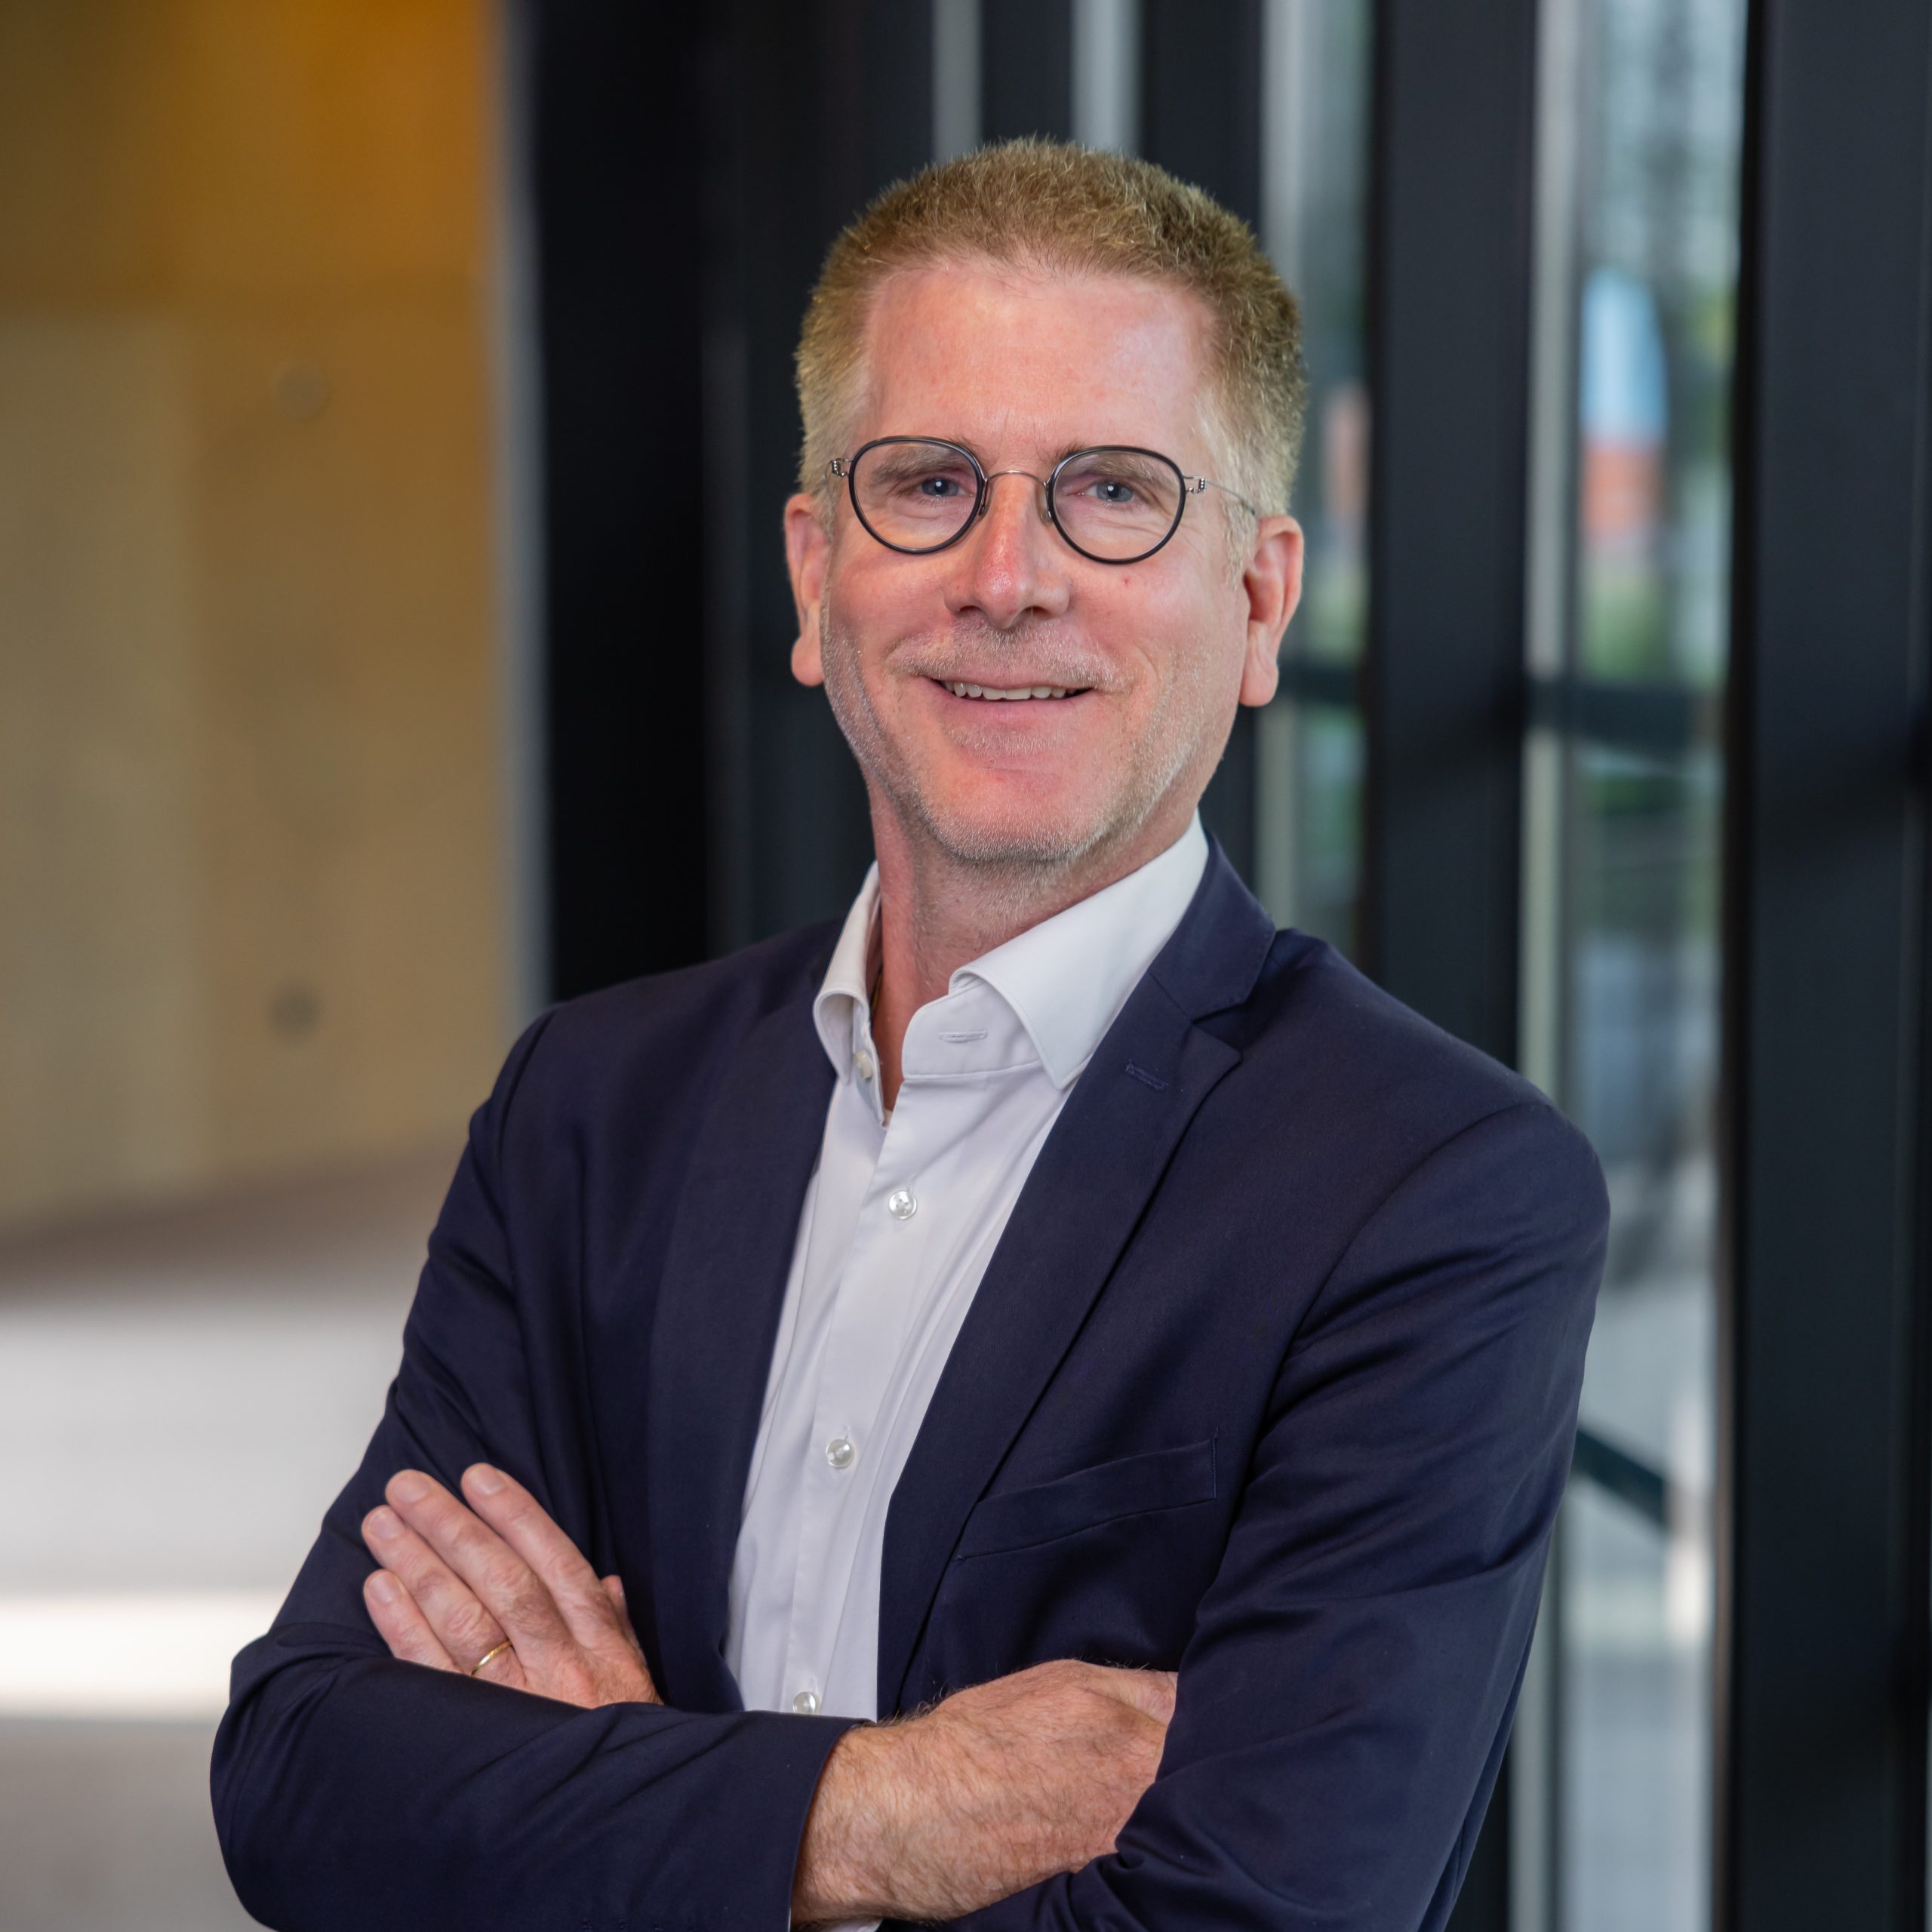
(1340, 1703)
(995, 1789)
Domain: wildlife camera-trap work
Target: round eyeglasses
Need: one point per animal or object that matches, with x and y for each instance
(1115, 505)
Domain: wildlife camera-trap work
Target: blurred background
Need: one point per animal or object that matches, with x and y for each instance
(395, 414)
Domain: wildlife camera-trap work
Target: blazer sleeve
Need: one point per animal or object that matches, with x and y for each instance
(1343, 1703)
(351, 1790)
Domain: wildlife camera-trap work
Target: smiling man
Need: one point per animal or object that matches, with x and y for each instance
(1045, 1403)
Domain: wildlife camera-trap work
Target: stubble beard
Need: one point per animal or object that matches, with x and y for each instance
(1007, 859)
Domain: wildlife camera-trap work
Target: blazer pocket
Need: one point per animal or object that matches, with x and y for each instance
(1134, 1486)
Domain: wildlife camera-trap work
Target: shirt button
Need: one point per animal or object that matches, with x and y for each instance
(901, 1204)
(840, 1453)
(863, 1061)
(806, 1703)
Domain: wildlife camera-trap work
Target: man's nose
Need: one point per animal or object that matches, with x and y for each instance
(1012, 564)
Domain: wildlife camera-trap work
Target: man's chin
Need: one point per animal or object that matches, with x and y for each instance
(1019, 838)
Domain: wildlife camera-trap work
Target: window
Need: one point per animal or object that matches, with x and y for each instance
(1315, 166)
(1635, 280)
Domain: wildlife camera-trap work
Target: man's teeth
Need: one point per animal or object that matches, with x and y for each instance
(992, 691)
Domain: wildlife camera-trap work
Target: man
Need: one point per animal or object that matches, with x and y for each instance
(1056, 1312)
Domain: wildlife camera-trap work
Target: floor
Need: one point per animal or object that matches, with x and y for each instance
(181, 1393)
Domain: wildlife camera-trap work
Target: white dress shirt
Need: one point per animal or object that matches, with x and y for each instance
(901, 1216)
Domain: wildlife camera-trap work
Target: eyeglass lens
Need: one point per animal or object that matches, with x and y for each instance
(1116, 505)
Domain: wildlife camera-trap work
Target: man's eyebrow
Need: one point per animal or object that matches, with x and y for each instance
(943, 436)
(1130, 449)
(1059, 455)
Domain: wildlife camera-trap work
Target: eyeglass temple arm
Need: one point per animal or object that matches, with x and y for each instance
(1195, 484)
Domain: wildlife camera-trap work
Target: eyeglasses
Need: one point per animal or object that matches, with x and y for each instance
(1117, 505)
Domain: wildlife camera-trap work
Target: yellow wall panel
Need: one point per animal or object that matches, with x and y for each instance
(103, 1013)
(250, 862)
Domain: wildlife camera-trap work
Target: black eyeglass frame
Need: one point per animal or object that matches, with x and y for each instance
(846, 469)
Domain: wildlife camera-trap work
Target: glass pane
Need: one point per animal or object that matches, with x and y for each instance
(1317, 145)
(1312, 784)
(1660, 98)
(1635, 1824)
(1639, 152)
(1315, 112)
(1640, 1054)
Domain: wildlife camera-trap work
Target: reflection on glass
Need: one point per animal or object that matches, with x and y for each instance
(1333, 505)
(1325, 765)
(1314, 138)
(1628, 883)
(1660, 96)
(1640, 1054)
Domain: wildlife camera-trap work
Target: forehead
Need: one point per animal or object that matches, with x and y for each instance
(1010, 358)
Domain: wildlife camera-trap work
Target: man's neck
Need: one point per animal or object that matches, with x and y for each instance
(936, 913)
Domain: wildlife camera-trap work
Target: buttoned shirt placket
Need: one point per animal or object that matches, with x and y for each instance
(898, 1223)
(962, 1058)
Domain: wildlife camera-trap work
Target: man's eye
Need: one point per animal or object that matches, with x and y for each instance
(940, 489)
(1109, 493)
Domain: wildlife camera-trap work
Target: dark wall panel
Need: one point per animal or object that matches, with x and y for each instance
(1201, 119)
(1823, 1479)
(1201, 96)
(1443, 681)
(826, 106)
(1026, 69)
(617, 202)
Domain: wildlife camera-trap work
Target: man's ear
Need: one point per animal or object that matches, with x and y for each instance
(808, 555)
(1271, 583)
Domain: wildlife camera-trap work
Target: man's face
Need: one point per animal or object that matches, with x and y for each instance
(1154, 655)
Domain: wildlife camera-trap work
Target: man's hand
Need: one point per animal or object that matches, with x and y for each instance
(999, 1787)
(498, 1581)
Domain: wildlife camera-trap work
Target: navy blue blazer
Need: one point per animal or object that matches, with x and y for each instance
(1272, 1380)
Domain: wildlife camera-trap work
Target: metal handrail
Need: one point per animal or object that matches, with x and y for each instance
(1618, 1473)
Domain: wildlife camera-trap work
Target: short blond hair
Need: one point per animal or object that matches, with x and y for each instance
(1052, 207)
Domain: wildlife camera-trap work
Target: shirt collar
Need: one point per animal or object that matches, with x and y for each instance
(1066, 978)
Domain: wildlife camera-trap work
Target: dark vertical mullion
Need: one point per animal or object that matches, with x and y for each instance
(1201, 96)
(829, 104)
(1026, 69)
(617, 375)
(1823, 1483)
(1201, 119)
(1443, 681)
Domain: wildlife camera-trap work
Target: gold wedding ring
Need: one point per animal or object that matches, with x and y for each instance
(489, 1654)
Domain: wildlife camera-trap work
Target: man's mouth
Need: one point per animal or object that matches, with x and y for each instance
(959, 688)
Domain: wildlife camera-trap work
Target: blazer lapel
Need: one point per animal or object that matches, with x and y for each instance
(1088, 1188)
(718, 1309)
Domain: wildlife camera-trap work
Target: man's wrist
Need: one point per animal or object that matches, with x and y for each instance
(854, 1831)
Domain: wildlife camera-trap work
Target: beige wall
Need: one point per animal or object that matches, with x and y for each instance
(251, 858)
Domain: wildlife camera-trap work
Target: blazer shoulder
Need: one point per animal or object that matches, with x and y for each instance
(668, 1027)
(1360, 1059)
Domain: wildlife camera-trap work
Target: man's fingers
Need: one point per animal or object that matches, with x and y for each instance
(400, 1624)
(501, 1580)
(567, 1634)
(1151, 1692)
(614, 1588)
(461, 1625)
(527, 1527)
